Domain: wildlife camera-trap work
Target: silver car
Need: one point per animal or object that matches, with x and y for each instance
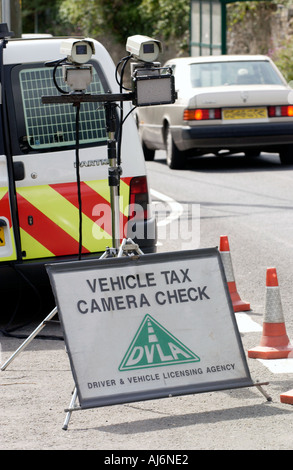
(225, 104)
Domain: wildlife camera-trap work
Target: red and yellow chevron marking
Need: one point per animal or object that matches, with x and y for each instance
(49, 218)
(4, 204)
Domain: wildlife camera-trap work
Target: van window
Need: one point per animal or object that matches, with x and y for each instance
(45, 127)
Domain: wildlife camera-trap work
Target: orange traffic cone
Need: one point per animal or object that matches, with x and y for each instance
(238, 304)
(274, 342)
(287, 397)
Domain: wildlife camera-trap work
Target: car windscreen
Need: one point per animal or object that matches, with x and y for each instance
(233, 73)
(46, 127)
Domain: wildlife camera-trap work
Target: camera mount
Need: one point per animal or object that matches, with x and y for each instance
(152, 85)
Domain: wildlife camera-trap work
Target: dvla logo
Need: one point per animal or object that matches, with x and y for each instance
(154, 346)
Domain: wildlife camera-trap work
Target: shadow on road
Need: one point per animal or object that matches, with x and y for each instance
(232, 163)
(261, 410)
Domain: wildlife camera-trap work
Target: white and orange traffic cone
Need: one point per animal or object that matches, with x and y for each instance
(274, 343)
(238, 304)
(287, 397)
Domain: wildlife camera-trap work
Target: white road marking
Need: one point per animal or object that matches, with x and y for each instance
(246, 324)
(175, 207)
(279, 366)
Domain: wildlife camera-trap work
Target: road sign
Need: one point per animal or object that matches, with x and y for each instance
(149, 326)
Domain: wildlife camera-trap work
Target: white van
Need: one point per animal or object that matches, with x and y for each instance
(39, 210)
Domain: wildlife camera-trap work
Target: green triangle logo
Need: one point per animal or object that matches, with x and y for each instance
(154, 346)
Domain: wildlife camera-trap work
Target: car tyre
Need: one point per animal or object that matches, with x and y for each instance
(175, 158)
(149, 154)
(286, 155)
(252, 153)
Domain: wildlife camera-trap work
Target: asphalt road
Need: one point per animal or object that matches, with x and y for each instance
(251, 202)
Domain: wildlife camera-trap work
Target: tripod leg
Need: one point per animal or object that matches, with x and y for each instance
(68, 415)
(259, 387)
(30, 338)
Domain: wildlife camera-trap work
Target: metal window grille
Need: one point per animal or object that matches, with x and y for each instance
(53, 125)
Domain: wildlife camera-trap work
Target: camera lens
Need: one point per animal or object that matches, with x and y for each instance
(81, 49)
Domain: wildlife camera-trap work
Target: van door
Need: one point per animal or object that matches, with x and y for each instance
(7, 243)
(43, 141)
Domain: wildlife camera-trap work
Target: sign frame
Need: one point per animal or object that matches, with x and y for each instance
(59, 272)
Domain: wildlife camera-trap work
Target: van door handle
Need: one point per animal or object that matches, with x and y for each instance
(19, 173)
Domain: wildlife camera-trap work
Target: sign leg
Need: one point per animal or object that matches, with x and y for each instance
(30, 338)
(262, 391)
(71, 406)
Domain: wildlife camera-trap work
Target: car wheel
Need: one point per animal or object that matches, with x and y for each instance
(149, 154)
(175, 158)
(286, 155)
(252, 153)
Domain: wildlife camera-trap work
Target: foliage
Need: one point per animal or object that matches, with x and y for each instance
(239, 11)
(166, 20)
(282, 56)
(96, 17)
(39, 17)
(123, 18)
